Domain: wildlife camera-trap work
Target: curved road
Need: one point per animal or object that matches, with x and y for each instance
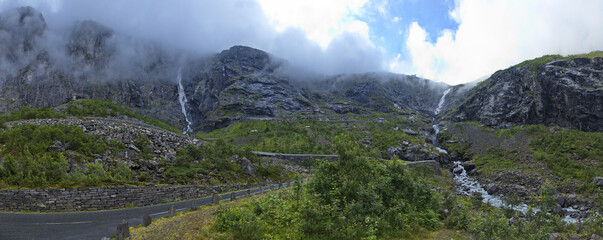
(95, 224)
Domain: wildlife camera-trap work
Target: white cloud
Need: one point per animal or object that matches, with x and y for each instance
(318, 36)
(320, 20)
(497, 34)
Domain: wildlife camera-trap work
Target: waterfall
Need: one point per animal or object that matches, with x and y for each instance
(441, 103)
(436, 128)
(183, 101)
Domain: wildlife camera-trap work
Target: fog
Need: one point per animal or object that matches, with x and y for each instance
(202, 27)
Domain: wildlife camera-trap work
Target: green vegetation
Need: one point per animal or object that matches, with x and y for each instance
(221, 161)
(536, 63)
(569, 153)
(35, 156)
(348, 199)
(496, 159)
(317, 137)
(25, 113)
(358, 198)
(102, 108)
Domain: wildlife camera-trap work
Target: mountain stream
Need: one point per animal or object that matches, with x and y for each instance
(469, 186)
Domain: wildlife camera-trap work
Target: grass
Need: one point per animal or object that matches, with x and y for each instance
(187, 225)
(310, 136)
(536, 63)
(103, 108)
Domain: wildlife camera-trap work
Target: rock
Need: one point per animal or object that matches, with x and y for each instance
(595, 237)
(469, 166)
(524, 94)
(410, 132)
(559, 210)
(457, 170)
(248, 167)
(131, 146)
(556, 236)
(573, 236)
(56, 146)
(561, 200)
(473, 172)
(491, 189)
(598, 181)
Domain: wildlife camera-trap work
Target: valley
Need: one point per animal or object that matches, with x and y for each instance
(387, 156)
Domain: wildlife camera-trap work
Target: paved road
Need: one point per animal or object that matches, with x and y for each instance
(92, 225)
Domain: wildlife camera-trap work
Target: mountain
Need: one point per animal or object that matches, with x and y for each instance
(45, 68)
(554, 90)
(42, 67)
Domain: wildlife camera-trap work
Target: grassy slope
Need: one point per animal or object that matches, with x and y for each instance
(318, 137)
(565, 155)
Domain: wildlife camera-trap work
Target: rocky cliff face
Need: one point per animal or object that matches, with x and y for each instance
(41, 68)
(378, 92)
(240, 83)
(566, 92)
(93, 61)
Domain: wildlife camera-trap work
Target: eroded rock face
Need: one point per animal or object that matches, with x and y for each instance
(240, 83)
(568, 93)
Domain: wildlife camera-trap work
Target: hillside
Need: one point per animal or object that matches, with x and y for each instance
(553, 90)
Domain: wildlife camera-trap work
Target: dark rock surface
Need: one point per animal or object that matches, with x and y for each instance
(568, 93)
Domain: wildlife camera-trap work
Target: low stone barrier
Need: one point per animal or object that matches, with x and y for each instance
(295, 158)
(102, 198)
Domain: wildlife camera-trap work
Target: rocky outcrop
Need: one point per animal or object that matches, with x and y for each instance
(415, 152)
(240, 83)
(567, 92)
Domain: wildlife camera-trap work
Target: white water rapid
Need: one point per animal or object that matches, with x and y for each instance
(182, 98)
(469, 186)
(436, 128)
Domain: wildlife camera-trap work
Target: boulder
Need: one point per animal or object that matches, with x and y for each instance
(469, 165)
(492, 189)
(248, 167)
(410, 132)
(556, 236)
(598, 181)
(573, 236)
(457, 170)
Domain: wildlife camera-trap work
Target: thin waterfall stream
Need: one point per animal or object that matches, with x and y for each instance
(436, 128)
(183, 101)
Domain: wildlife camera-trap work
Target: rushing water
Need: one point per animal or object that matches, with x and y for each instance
(183, 101)
(436, 128)
(469, 186)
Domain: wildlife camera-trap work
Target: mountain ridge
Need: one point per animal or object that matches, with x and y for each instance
(241, 82)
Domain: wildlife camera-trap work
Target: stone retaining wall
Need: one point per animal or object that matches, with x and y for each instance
(102, 198)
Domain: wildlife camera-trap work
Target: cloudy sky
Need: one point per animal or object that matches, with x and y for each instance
(446, 40)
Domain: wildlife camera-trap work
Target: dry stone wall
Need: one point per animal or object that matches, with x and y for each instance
(102, 198)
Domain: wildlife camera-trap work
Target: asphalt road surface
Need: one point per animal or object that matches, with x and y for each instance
(95, 224)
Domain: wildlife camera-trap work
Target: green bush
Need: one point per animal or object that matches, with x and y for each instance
(35, 157)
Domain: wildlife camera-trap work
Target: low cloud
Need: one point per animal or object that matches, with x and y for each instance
(212, 26)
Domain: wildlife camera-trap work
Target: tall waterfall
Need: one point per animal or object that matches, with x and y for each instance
(182, 98)
(436, 128)
(441, 103)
